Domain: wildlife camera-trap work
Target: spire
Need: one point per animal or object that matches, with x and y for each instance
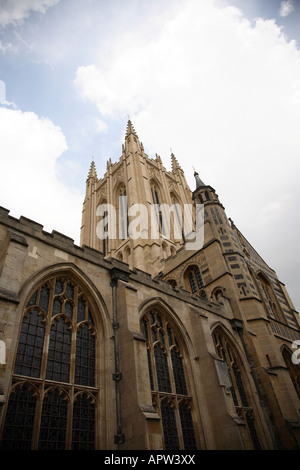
(130, 129)
(92, 172)
(199, 182)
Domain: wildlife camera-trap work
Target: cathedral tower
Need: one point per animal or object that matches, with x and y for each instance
(135, 180)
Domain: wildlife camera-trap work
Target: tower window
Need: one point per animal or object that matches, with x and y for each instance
(123, 214)
(194, 281)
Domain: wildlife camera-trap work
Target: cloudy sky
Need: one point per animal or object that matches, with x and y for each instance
(218, 81)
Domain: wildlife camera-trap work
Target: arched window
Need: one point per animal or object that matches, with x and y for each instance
(227, 352)
(156, 202)
(104, 228)
(53, 397)
(123, 214)
(168, 382)
(194, 281)
(270, 298)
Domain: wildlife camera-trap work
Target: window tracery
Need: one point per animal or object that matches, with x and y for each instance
(54, 380)
(227, 352)
(167, 381)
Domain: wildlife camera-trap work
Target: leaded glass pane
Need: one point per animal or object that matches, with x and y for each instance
(33, 299)
(144, 325)
(44, 298)
(58, 364)
(169, 426)
(57, 306)
(18, 427)
(240, 386)
(83, 435)
(81, 310)
(30, 347)
(70, 290)
(252, 430)
(199, 278)
(90, 317)
(187, 426)
(178, 372)
(85, 356)
(192, 282)
(53, 422)
(150, 369)
(59, 286)
(162, 369)
(69, 310)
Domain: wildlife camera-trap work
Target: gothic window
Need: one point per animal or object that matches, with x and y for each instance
(156, 202)
(228, 353)
(53, 398)
(123, 214)
(104, 229)
(168, 382)
(269, 297)
(194, 281)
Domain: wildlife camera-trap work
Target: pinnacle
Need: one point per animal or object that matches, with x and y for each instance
(174, 162)
(130, 129)
(92, 172)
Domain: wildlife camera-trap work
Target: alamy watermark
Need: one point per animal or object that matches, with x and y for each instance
(152, 222)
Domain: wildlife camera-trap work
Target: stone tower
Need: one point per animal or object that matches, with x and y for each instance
(134, 180)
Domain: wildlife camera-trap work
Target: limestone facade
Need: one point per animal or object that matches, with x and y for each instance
(139, 343)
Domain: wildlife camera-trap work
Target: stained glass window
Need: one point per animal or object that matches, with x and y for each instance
(168, 382)
(56, 350)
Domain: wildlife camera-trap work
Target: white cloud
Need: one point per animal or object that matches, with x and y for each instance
(286, 7)
(29, 182)
(15, 11)
(101, 126)
(224, 95)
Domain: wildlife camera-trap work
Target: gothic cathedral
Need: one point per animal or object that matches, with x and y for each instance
(140, 339)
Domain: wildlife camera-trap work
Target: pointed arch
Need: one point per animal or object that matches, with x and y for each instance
(267, 294)
(60, 351)
(228, 351)
(192, 279)
(168, 378)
